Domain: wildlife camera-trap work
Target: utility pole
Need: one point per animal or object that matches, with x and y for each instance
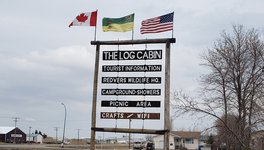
(78, 135)
(15, 120)
(29, 134)
(56, 129)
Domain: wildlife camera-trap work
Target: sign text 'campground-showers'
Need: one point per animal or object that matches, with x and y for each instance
(131, 92)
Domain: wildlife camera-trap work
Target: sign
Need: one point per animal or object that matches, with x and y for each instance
(130, 103)
(131, 80)
(131, 68)
(124, 92)
(16, 135)
(132, 55)
(129, 115)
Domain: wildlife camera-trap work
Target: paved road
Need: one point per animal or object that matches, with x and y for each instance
(57, 147)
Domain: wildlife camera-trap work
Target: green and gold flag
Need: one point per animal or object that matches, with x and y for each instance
(119, 24)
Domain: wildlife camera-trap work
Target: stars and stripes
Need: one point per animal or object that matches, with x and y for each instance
(157, 24)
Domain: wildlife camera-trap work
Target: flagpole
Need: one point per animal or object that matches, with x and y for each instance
(133, 27)
(172, 31)
(172, 25)
(133, 34)
(95, 33)
(95, 29)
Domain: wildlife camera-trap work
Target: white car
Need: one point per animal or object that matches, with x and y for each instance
(137, 145)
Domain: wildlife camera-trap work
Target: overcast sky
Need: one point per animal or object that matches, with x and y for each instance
(43, 62)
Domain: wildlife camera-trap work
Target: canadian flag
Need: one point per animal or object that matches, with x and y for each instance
(85, 19)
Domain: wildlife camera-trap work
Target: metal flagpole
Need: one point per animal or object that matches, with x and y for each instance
(172, 33)
(133, 28)
(95, 30)
(133, 34)
(95, 33)
(172, 26)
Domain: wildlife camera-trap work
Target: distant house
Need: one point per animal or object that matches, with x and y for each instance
(179, 139)
(35, 138)
(12, 135)
(258, 139)
(203, 142)
(111, 140)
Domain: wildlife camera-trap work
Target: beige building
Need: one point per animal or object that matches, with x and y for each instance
(179, 139)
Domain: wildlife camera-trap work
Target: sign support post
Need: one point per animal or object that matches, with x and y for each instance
(167, 99)
(95, 86)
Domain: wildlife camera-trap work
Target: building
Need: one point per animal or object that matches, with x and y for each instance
(203, 142)
(179, 139)
(35, 138)
(258, 139)
(12, 135)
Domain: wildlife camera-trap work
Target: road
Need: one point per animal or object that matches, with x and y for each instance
(66, 147)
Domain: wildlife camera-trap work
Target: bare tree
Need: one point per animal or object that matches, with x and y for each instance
(234, 85)
(224, 136)
(149, 138)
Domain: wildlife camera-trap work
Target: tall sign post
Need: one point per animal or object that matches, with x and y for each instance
(167, 125)
(132, 55)
(95, 86)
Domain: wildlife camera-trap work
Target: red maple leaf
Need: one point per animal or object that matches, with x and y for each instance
(82, 18)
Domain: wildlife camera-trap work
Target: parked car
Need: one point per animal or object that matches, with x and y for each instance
(150, 146)
(137, 145)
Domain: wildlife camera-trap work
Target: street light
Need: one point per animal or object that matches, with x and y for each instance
(62, 144)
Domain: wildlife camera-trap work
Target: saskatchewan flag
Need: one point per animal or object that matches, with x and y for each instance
(119, 24)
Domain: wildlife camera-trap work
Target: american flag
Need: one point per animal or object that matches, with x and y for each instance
(157, 24)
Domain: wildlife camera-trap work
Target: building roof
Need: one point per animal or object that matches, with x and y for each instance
(186, 134)
(259, 133)
(33, 135)
(5, 130)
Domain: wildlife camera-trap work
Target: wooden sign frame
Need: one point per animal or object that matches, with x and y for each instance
(165, 132)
